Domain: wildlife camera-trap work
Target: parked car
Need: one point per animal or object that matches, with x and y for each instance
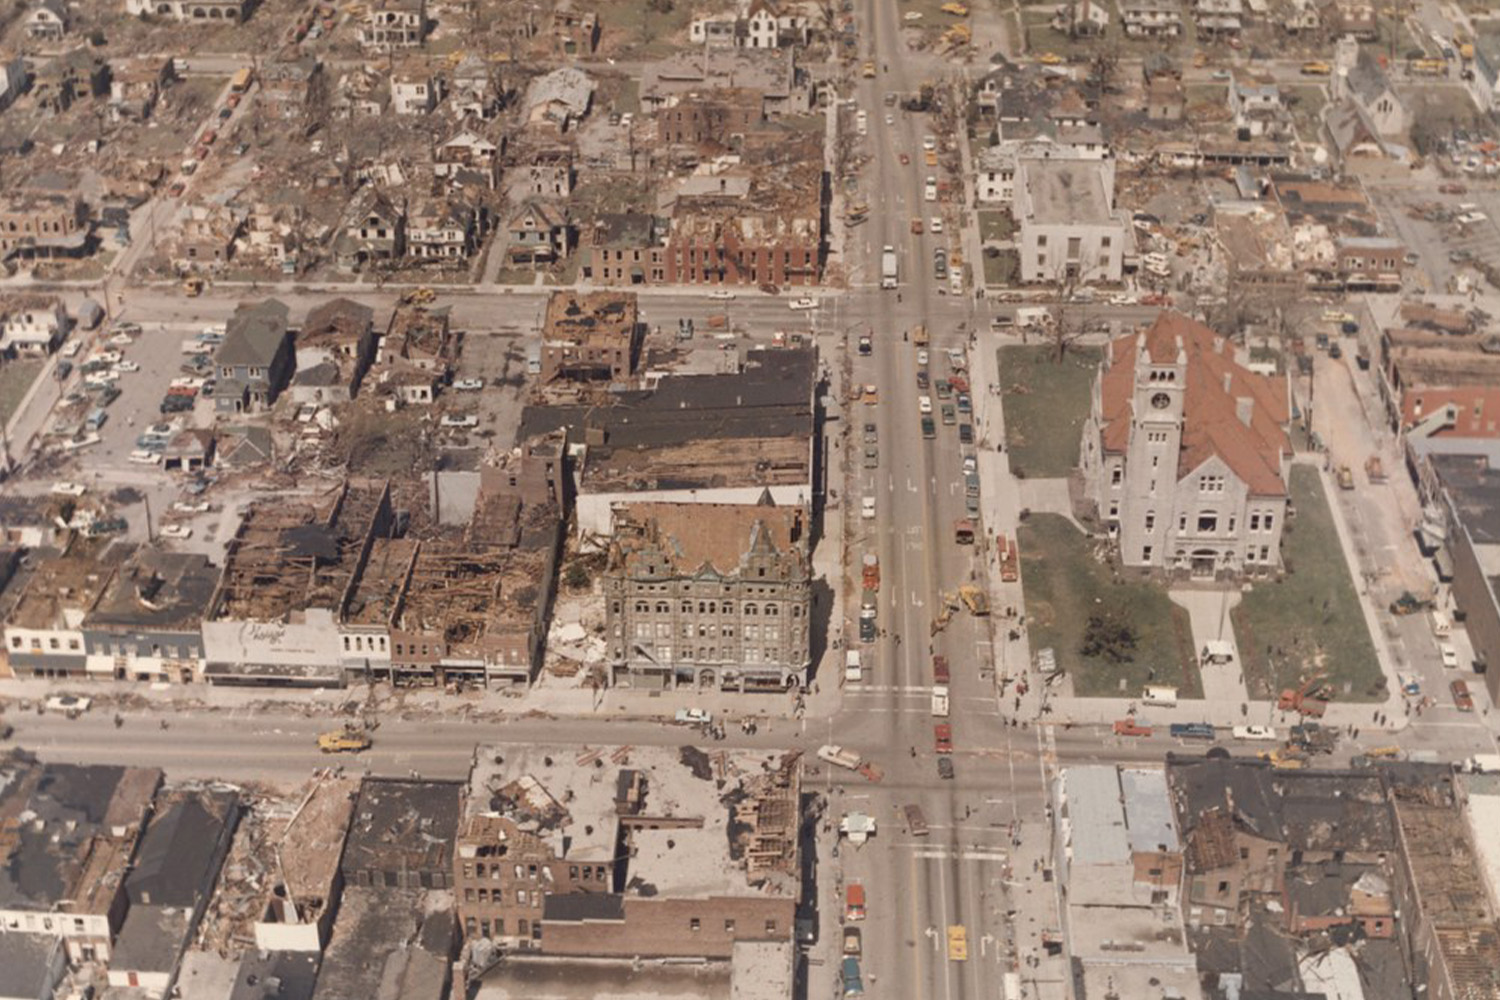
(942, 737)
(1260, 734)
(469, 384)
(177, 531)
(1449, 654)
(460, 420)
(945, 768)
(1462, 700)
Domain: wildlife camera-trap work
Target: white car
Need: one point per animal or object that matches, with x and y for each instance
(928, 142)
(971, 465)
(936, 225)
(68, 703)
(126, 367)
(924, 404)
(460, 420)
(145, 456)
(929, 192)
(721, 295)
(1450, 655)
(1122, 299)
(890, 119)
(867, 507)
(71, 349)
(922, 357)
(108, 375)
(192, 507)
(469, 384)
(177, 531)
(108, 357)
(804, 303)
(1261, 733)
(122, 340)
(66, 489)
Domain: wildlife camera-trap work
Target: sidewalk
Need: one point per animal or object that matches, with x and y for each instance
(1208, 614)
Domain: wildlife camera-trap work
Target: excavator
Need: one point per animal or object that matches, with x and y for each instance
(949, 607)
(1310, 700)
(974, 600)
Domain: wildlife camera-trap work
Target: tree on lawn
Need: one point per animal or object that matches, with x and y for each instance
(1110, 637)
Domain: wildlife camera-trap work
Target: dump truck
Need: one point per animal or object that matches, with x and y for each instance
(345, 740)
(975, 600)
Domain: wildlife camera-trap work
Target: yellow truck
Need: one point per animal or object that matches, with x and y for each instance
(1316, 69)
(868, 71)
(346, 740)
(919, 335)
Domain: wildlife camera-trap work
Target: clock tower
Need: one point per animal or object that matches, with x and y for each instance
(1150, 481)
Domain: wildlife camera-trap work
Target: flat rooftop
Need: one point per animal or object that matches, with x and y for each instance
(578, 798)
(595, 318)
(540, 978)
(1066, 192)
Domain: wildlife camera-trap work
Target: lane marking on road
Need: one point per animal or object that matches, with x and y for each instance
(946, 854)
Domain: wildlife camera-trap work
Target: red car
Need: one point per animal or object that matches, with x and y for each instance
(1462, 700)
(940, 670)
(1129, 727)
(942, 734)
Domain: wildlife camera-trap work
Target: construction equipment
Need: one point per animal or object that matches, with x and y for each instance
(1284, 758)
(1311, 699)
(956, 37)
(419, 297)
(956, 9)
(345, 740)
(975, 600)
(1409, 604)
(193, 287)
(949, 607)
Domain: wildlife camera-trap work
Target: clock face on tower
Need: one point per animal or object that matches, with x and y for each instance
(1161, 401)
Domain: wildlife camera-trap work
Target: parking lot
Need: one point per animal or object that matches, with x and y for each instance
(1442, 247)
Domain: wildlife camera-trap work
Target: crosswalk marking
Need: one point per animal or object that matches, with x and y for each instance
(946, 854)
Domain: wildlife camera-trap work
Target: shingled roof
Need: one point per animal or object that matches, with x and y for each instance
(1212, 422)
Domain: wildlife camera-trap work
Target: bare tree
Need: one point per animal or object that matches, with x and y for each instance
(1066, 327)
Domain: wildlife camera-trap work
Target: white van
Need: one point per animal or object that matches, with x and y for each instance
(1441, 626)
(1164, 696)
(853, 671)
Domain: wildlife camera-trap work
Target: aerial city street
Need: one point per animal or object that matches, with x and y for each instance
(749, 500)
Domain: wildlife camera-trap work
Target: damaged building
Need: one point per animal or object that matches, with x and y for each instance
(627, 853)
(713, 596)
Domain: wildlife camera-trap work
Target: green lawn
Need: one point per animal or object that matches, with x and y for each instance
(1002, 269)
(15, 379)
(1065, 584)
(1310, 621)
(1046, 403)
(997, 225)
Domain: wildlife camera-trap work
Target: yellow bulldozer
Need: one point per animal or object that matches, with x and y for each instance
(975, 600)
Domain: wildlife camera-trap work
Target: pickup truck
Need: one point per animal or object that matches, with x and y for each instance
(839, 757)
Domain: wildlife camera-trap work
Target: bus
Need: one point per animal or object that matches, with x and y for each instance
(241, 81)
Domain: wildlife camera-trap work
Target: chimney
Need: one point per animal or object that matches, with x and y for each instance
(1244, 407)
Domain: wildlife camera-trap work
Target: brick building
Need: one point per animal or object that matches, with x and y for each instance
(591, 337)
(708, 595)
